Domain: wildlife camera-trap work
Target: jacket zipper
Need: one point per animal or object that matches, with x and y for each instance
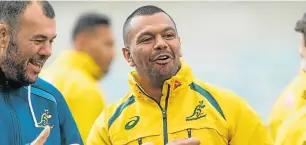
(189, 132)
(140, 141)
(164, 113)
(17, 137)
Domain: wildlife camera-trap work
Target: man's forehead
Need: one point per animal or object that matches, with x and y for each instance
(33, 9)
(147, 22)
(102, 31)
(34, 20)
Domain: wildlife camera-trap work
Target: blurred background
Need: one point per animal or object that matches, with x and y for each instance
(248, 47)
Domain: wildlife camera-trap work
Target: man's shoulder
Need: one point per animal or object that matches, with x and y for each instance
(218, 92)
(291, 98)
(296, 117)
(66, 74)
(44, 89)
(293, 128)
(74, 80)
(228, 100)
(116, 109)
(121, 104)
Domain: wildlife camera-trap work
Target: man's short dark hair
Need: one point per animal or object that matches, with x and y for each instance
(88, 21)
(142, 11)
(10, 12)
(301, 26)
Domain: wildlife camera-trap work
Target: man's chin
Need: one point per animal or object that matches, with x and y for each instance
(30, 79)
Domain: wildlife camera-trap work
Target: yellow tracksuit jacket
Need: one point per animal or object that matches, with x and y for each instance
(293, 129)
(292, 99)
(74, 74)
(188, 108)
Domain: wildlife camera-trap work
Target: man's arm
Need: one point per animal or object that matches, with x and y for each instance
(248, 128)
(69, 130)
(99, 132)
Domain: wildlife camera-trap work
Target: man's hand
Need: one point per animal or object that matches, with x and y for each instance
(148, 143)
(189, 141)
(41, 139)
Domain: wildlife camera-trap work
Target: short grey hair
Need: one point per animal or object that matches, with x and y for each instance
(10, 12)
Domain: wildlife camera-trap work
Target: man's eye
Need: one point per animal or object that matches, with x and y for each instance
(146, 40)
(51, 41)
(36, 42)
(169, 36)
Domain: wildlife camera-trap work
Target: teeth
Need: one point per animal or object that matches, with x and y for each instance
(163, 57)
(37, 64)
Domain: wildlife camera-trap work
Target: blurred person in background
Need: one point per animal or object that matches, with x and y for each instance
(292, 130)
(166, 103)
(294, 96)
(33, 112)
(77, 72)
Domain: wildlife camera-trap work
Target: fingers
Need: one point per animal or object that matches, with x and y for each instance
(189, 141)
(192, 141)
(148, 143)
(43, 136)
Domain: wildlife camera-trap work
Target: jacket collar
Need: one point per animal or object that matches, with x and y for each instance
(182, 79)
(79, 60)
(6, 84)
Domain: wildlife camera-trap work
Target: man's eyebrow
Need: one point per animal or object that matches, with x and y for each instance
(39, 36)
(169, 29)
(145, 33)
(54, 36)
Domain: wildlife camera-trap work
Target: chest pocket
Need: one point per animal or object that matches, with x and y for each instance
(131, 134)
(206, 135)
(155, 139)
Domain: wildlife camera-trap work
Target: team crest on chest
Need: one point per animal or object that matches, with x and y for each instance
(44, 120)
(198, 112)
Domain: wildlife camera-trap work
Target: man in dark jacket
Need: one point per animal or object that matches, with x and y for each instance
(31, 110)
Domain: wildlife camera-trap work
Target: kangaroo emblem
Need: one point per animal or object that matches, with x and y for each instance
(44, 120)
(197, 113)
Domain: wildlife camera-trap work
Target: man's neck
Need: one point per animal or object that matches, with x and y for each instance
(154, 91)
(5, 83)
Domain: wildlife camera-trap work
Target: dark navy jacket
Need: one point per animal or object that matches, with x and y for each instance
(25, 111)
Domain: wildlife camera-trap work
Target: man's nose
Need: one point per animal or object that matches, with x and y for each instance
(160, 43)
(45, 51)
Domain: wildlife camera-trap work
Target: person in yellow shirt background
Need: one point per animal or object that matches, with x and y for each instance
(76, 72)
(293, 130)
(167, 104)
(294, 96)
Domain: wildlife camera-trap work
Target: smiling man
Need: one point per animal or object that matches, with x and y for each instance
(32, 111)
(166, 103)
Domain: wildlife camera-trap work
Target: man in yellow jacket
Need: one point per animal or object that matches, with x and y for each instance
(294, 96)
(76, 72)
(166, 103)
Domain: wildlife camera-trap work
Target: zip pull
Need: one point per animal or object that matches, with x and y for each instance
(189, 132)
(164, 114)
(139, 141)
(6, 84)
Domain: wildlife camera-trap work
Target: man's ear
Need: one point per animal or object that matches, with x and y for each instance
(4, 37)
(128, 56)
(179, 40)
(303, 45)
(81, 40)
